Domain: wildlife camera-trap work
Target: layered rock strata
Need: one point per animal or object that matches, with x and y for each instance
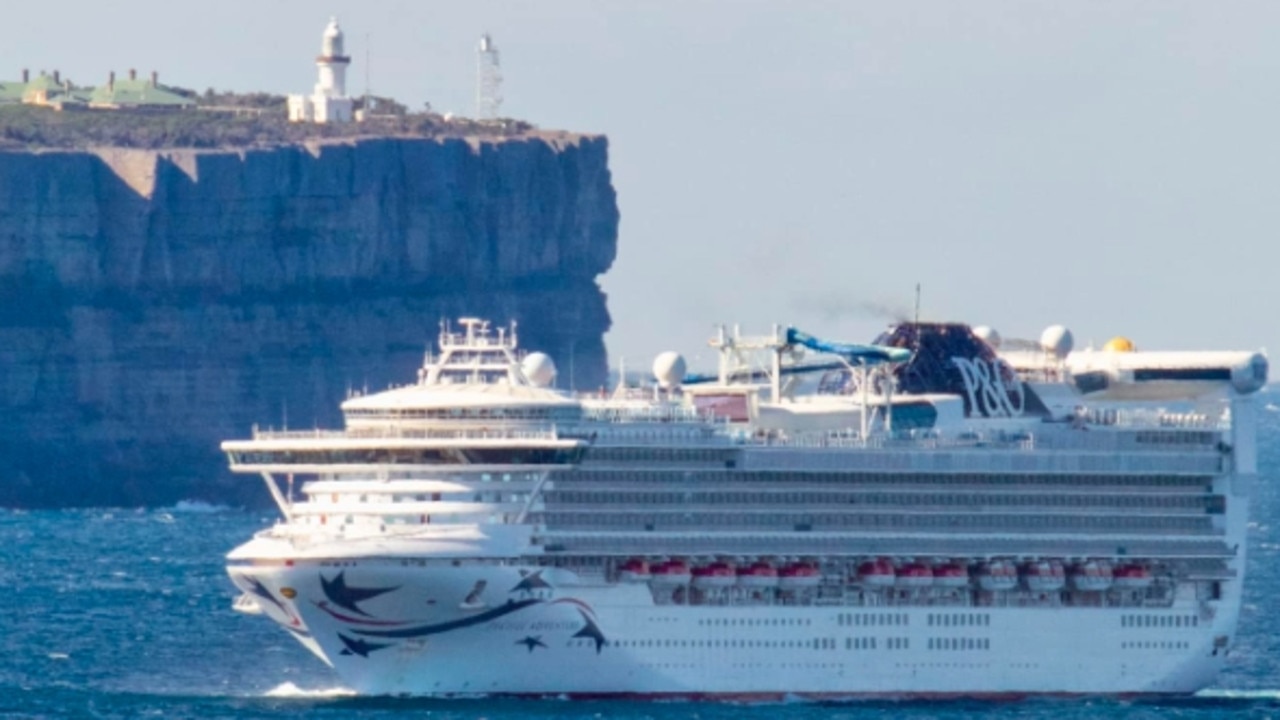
(154, 303)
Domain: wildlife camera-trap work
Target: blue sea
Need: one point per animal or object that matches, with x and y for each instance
(123, 613)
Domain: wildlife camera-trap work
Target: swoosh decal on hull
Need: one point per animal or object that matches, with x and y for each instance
(424, 630)
(355, 620)
(575, 601)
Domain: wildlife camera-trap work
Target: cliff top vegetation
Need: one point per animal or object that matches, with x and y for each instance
(224, 120)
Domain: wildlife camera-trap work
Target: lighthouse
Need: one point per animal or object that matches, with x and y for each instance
(328, 102)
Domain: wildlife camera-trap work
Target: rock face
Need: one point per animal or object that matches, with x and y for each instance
(153, 304)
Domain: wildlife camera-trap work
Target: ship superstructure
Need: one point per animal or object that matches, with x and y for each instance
(930, 517)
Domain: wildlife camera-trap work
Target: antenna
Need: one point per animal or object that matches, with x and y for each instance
(915, 327)
(367, 72)
(488, 79)
(573, 381)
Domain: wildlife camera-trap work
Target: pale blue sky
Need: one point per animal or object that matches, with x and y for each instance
(1110, 166)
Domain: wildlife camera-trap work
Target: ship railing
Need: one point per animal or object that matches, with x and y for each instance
(1172, 526)
(1094, 460)
(460, 341)
(1152, 418)
(650, 414)
(575, 541)
(1157, 439)
(854, 596)
(303, 533)
(395, 433)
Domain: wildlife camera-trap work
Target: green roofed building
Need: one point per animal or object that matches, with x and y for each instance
(11, 92)
(135, 93)
(52, 91)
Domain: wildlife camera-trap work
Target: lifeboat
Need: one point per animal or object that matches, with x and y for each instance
(799, 575)
(758, 575)
(718, 574)
(914, 575)
(671, 572)
(1091, 576)
(951, 575)
(634, 570)
(997, 576)
(876, 573)
(1132, 577)
(1044, 576)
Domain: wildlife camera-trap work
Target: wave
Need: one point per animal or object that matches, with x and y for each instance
(197, 507)
(1224, 694)
(289, 690)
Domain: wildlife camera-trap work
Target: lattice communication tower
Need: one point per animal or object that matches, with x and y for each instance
(488, 79)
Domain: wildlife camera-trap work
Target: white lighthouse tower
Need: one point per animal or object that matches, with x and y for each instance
(328, 101)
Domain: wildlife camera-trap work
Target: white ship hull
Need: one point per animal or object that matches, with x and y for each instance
(429, 635)
(479, 534)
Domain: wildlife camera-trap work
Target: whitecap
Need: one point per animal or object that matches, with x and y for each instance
(1214, 693)
(289, 690)
(197, 507)
(57, 656)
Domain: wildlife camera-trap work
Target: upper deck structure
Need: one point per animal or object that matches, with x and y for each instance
(804, 482)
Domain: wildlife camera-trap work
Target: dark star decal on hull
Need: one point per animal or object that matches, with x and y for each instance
(257, 588)
(360, 646)
(347, 597)
(591, 631)
(531, 642)
(532, 581)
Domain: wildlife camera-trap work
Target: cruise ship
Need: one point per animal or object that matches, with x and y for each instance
(934, 514)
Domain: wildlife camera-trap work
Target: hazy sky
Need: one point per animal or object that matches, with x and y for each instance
(1110, 166)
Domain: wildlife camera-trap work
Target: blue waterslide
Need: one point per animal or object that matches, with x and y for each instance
(853, 354)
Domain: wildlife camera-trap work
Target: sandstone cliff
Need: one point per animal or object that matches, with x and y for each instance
(154, 303)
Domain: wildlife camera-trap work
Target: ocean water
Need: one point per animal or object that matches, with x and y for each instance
(127, 613)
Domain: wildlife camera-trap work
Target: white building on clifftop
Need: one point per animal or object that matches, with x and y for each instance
(329, 101)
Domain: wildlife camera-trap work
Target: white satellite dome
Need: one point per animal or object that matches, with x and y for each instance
(1057, 340)
(1251, 375)
(539, 368)
(988, 335)
(669, 368)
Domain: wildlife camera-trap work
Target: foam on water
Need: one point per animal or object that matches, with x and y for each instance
(289, 690)
(1223, 694)
(197, 506)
